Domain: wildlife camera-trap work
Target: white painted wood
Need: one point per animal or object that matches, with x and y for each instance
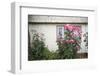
(19, 40)
(15, 51)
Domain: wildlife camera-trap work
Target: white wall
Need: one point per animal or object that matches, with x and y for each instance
(49, 31)
(84, 30)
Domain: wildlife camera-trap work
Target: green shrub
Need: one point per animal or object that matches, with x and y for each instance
(39, 51)
(38, 47)
(66, 51)
(51, 55)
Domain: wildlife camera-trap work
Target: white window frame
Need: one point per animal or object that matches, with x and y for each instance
(57, 28)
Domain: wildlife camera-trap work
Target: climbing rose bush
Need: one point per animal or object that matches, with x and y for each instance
(75, 30)
(69, 46)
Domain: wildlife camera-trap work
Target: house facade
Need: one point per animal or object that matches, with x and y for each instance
(52, 27)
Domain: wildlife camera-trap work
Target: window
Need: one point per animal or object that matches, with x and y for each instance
(60, 32)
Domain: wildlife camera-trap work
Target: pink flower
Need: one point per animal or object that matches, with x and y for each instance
(72, 27)
(76, 30)
(68, 27)
(70, 41)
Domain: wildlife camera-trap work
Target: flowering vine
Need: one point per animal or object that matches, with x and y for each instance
(69, 46)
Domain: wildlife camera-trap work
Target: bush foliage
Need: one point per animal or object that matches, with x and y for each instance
(39, 51)
(67, 47)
